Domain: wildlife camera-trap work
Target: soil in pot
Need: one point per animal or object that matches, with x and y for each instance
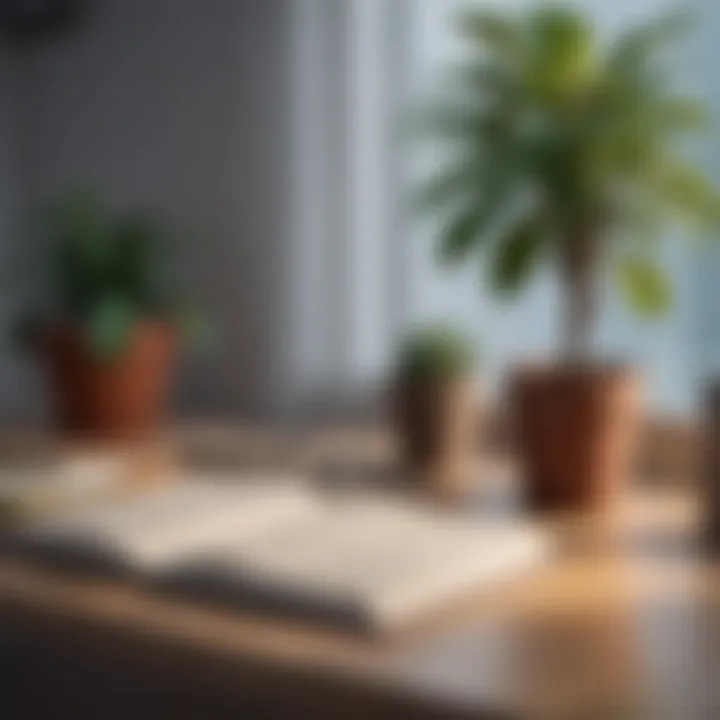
(121, 398)
(577, 432)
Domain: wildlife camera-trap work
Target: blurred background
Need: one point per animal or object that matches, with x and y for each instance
(270, 135)
(271, 140)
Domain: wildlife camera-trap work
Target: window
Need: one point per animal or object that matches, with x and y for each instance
(363, 266)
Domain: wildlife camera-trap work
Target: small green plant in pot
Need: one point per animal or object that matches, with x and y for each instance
(108, 322)
(435, 408)
(568, 150)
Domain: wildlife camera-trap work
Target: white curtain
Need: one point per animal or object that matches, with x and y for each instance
(349, 246)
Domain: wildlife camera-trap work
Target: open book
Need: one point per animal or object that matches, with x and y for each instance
(366, 562)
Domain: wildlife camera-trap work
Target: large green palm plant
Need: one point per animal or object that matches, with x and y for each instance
(569, 148)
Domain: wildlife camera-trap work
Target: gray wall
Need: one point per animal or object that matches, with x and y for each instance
(179, 106)
(18, 382)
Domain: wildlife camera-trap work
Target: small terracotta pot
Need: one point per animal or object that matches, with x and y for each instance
(121, 398)
(436, 423)
(577, 431)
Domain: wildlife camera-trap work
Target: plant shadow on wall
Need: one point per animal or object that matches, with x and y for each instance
(108, 321)
(565, 148)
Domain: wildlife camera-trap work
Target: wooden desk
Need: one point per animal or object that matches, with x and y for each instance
(625, 624)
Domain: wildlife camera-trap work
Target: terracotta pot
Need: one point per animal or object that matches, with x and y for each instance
(577, 431)
(115, 399)
(436, 423)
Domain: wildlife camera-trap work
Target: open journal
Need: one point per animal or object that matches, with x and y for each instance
(282, 547)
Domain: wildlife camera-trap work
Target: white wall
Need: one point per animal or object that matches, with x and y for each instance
(179, 106)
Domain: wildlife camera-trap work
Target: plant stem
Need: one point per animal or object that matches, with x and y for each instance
(579, 282)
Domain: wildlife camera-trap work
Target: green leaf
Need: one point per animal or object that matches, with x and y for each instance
(109, 327)
(496, 32)
(641, 223)
(463, 233)
(136, 266)
(447, 187)
(564, 56)
(79, 215)
(82, 249)
(435, 352)
(456, 122)
(644, 287)
(684, 190)
(516, 256)
(493, 81)
(682, 115)
(639, 45)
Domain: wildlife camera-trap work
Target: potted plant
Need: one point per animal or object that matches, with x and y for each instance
(435, 408)
(107, 326)
(569, 149)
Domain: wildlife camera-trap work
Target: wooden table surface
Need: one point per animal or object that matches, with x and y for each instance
(625, 623)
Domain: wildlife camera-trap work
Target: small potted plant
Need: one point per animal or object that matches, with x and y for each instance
(435, 408)
(568, 150)
(109, 322)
